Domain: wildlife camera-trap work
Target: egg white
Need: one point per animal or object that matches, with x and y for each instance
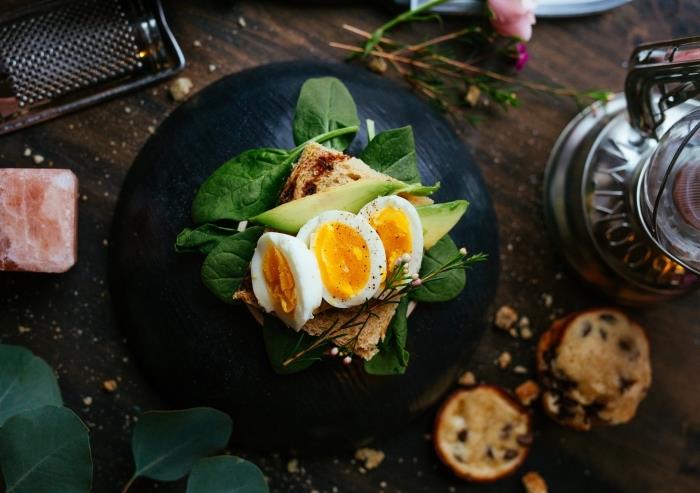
(403, 205)
(304, 269)
(377, 256)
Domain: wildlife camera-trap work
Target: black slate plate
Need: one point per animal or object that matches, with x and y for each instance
(197, 351)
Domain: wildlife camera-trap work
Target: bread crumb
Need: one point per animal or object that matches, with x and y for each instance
(180, 88)
(87, 400)
(212, 68)
(547, 299)
(293, 466)
(504, 360)
(242, 22)
(27, 152)
(151, 129)
(22, 329)
(505, 318)
(372, 458)
(38, 158)
(197, 43)
(527, 392)
(110, 385)
(472, 96)
(520, 370)
(534, 483)
(526, 333)
(467, 378)
(377, 65)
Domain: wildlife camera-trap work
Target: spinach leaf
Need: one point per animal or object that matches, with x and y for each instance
(166, 444)
(392, 358)
(26, 382)
(202, 239)
(243, 187)
(46, 449)
(449, 284)
(227, 264)
(393, 152)
(324, 104)
(226, 474)
(281, 342)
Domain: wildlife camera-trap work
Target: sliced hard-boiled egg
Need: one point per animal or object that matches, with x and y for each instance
(350, 257)
(397, 222)
(286, 279)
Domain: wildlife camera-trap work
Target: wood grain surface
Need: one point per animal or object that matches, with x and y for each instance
(73, 327)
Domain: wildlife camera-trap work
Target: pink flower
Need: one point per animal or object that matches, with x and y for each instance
(521, 56)
(513, 18)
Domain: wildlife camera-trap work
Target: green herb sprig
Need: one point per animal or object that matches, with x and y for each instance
(454, 70)
(398, 284)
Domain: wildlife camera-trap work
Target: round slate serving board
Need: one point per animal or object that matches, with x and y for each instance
(198, 351)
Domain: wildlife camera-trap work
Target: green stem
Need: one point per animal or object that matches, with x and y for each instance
(129, 483)
(399, 19)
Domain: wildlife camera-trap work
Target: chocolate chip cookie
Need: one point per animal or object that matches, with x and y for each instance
(594, 367)
(482, 433)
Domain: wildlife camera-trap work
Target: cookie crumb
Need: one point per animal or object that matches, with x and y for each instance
(242, 22)
(534, 483)
(110, 385)
(293, 466)
(467, 378)
(197, 43)
(151, 129)
(87, 400)
(212, 68)
(22, 329)
(27, 152)
(505, 318)
(180, 88)
(526, 333)
(372, 458)
(38, 158)
(504, 360)
(527, 392)
(520, 370)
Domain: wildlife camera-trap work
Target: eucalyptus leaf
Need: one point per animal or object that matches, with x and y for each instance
(281, 342)
(227, 264)
(45, 450)
(202, 239)
(26, 382)
(244, 186)
(324, 104)
(226, 474)
(393, 152)
(449, 284)
(392, 358)
(166, 444)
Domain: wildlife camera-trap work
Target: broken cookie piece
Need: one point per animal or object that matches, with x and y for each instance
(534, 483)
(482, 433)
(527, 392)
(38, 219)
(594, 367)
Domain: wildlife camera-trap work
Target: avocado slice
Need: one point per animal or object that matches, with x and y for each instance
(290, 217)
(439, 219)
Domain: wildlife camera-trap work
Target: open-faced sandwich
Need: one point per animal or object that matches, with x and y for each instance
(328, 251)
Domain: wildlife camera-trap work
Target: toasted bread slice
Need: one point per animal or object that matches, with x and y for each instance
(482, 433)
(319, 169)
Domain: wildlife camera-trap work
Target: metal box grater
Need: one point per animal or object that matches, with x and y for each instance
(57, 56)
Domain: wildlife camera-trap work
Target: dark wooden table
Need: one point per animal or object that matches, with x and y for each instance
(73, 328)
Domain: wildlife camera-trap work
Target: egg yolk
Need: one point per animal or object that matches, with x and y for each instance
(394, 229)
(279, 280)
(343, 259)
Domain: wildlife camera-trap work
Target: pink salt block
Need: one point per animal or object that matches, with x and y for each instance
(38, 219)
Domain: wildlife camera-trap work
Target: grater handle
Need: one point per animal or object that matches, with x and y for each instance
(661, 76)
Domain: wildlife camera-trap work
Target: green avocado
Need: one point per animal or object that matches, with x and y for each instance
(439, 219)
(351, 197)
